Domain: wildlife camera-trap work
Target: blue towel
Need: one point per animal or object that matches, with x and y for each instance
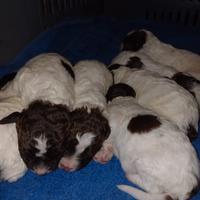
(77, 39)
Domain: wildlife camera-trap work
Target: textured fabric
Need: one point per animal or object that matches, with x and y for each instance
(77, 39)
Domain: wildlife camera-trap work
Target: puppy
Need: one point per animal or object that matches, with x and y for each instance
(89, 126)
(12, 166)
(140, 60)
(47, 77)
(146, 42)
(153, 152)
(163, 96)
(42, 130)
(46, 88)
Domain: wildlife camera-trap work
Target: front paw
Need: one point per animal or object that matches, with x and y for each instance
(104, 154)
(15, 177)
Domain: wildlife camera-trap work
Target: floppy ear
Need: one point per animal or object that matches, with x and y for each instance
(12, 118)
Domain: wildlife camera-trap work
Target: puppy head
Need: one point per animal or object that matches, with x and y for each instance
(41, 132)
(87, 134)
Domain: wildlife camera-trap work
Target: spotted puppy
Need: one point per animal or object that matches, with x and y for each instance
(163, 96)
(146, 42)
(12, 166)
(138, 60)
(89, 126)
(153, 152)
(46, 88)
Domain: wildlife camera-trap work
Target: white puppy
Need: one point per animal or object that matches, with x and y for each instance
(146, 42)
(153, 152)
(12, 166)
(92, 82)
(47, 77)
(89, 125)
(45, 85)
(163, 96)
(142, 61)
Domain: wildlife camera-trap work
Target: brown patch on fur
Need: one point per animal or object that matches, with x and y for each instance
(113, 77)
(194, 191)
(119, 90)
(134, 41)
(185, 80)
(169, 198)
(192, 133)
(69, 69)
(143, 123)
(114, 66)
(134, 62)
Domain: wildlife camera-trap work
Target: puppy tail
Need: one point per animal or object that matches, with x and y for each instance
(141, 195)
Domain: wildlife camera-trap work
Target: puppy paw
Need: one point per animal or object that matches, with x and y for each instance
(14, 178)
(104, 154)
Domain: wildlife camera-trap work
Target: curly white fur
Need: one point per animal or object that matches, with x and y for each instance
(162, 95)
(92, 82)
(11, 165)
(44, 78)
(181, 59)
(162, 161)
(124, 57)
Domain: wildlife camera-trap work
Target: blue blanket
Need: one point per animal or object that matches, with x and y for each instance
(77, 39)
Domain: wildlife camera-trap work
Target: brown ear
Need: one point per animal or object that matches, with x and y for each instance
(12, 118)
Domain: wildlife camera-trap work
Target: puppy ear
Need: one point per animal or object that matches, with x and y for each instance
(12, 118)
(100, 123)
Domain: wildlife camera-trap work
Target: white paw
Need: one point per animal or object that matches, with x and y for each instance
(104, 154)
(15, 177)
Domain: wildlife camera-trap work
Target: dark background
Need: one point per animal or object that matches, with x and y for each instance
(23, 20)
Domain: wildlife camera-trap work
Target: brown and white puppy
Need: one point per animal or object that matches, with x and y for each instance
(163, 96)
(41, 132)
(153, 152)
(45, 85)
(88, 131)
(89, 126)
(146, 42)
(138, 60)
